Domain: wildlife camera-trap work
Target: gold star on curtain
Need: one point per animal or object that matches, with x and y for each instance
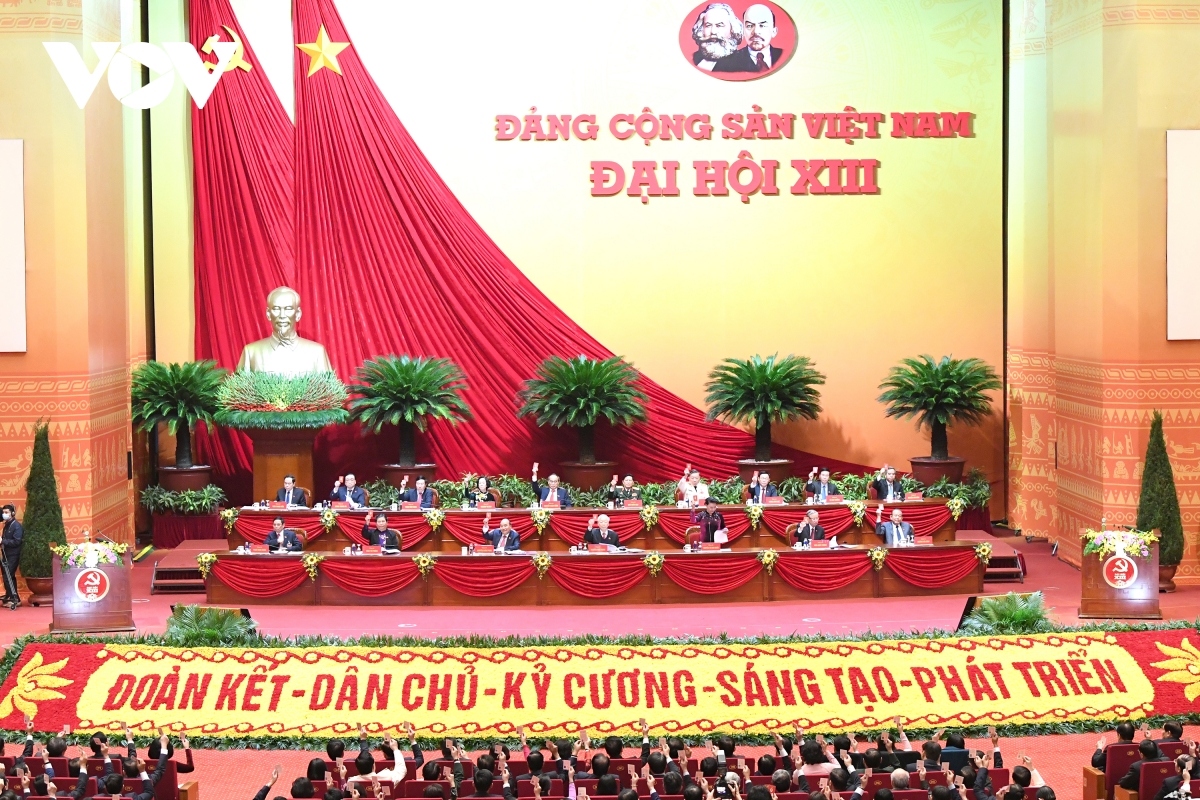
(323, 53)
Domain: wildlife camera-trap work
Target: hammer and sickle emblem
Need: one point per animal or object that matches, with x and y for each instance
(237, 62)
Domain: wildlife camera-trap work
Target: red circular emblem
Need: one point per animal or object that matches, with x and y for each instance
(92, 585)
(1120, 571)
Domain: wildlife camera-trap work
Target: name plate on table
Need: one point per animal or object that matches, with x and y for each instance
(277, 504)
(818, 544)
(631, 503)
(340, 504)
(259, 548)
(486, 549)
(597, 548)
(774, 501)
(834, 498)
(486, 505)
(551, 504)
(372, 550)
(407, 506)
(914, 495)
(709, 547)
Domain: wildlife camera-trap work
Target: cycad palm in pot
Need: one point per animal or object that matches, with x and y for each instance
(179, 396)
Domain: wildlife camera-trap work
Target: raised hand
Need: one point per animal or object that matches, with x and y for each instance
(410, 731)
(1145, 729)
(642, 721)
(338, 483)
(403, 482)
(275, 773)
(614, 482)
(535, 466)
(183, 741)
(1101, 742)
(995, 737)
(447, 774)
(812, 473)
(938, 734)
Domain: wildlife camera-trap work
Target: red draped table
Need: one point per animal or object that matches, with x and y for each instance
(514, 579)
(930, 519)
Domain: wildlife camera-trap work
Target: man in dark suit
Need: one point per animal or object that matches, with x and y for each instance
(111, 783)
(1177, 787)
(10, 548)
(1125, 731)
(380, 534)
(502, 538)
(598, 532)
(551, 491)
(350, 492)
(821, 488)
(1149, 751)
(809, 529)
(758, 29)
(761, 487)
(895, 532)
(887, 486)
(711, 521)
(421, 494)
(281, 539)
(290, 494)
(1172, 732)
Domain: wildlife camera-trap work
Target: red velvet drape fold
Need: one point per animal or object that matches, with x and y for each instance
(369, 577)
(931, 569)
(597, 578)
(486, 577)
(705, 574)
(261, 577)
(820, 573)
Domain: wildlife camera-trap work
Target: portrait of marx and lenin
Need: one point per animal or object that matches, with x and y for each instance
(738, 41)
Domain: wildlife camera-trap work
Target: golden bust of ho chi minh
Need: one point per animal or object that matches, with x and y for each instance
(284, 352)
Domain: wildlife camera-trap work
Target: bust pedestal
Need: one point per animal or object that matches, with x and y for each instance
(278, 453)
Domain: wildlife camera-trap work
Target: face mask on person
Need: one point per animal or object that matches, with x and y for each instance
(7, 516)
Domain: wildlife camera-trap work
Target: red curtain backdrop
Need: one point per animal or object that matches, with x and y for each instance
(244, 218)
(597, 577)
(711, 575)
(265, 577)
(371, 577)
(931, 569)
(170, 529)
(485, 577)
(821, 573)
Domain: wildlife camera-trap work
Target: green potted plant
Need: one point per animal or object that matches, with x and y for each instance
(577, 393)
(1158, 506)
(43, 520)
(939, 393)
(762, 391)
(179, 396)
(408, 392)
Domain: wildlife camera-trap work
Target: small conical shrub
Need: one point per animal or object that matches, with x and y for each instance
(43, 519)
(1158, 506)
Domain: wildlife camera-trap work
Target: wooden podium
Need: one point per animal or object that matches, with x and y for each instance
(1120, 587)
(92, 599)
(283, 452)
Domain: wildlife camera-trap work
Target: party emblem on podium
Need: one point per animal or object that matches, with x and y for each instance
(92, 585)
(1120, 571)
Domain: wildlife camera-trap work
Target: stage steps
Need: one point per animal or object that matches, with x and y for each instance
(177, 572)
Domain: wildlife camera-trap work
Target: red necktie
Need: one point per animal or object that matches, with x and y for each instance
(762, 63)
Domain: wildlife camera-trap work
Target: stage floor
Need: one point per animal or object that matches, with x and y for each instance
(828, 614)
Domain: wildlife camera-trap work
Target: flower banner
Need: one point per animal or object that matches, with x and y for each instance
(682, 688)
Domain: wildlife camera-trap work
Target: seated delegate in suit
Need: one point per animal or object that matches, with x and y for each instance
(617, 495)
(290, 494)
(894, 532)
(479, 493)
(809, 529)
(551, 491)
(694, 492)
(380, 534)
(281, 539)
(421, 494)
(598, 532)
(502, 538)
(887, 486)
(711, 521)
(821, 488)
(761, 487)
(350, 492)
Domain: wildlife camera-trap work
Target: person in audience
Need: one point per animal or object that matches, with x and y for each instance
(266, 789)
(1045, 793)
(814, 761)
(1176, 787)
(932, 752)
(347, 490)
(693, 493)
(617, 495)
(781, 779)
(598, 532)
(822, 487)
(290, 494)
(303, 788)
(1149, 752)
(887, 485)
(1026, 775)
(1125, 732)
(112, 783)
(281, 539)
(711, 521)
(900, 779)
(480, 493)
(184, 766)
(483, 781)
(380, 534)
(894, 532)
(762, 488)
(883, 793)
(1172, 732)
(810, 529)
(503, 538)
(607, 785)
(552, 491)
(599, 765)
(316, 769)
(421, 493)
